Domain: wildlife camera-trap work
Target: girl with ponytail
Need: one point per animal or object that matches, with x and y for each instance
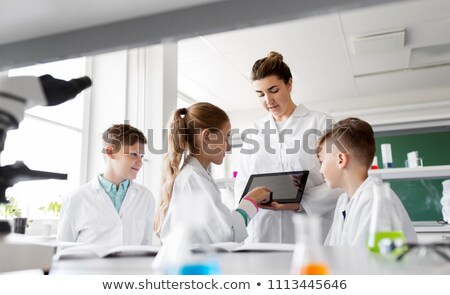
(198, 137)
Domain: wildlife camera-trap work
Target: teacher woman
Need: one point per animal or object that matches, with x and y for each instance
(285, 140)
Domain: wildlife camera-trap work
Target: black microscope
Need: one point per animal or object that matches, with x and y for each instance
(18, 94)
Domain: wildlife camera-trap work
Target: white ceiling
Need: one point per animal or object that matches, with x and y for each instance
(25, 19)
(327, 74)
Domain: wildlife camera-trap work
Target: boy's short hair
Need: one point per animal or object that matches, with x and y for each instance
(353, 136)
(120, 135)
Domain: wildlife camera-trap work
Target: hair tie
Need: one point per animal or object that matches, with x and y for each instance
(183, 111)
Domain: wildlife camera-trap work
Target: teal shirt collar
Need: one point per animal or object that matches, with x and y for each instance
(116, 195)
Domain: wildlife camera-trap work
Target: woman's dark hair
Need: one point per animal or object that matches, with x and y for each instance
(271, 65)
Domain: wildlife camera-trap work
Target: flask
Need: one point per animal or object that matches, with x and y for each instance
(308, 258)
(175, 256)
(385, 231)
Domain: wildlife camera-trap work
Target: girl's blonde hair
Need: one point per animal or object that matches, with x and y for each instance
(184, 124)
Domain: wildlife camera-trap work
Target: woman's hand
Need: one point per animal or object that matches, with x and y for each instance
(278, 206)
(260, 194)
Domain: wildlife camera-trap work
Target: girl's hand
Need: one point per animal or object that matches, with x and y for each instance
(260, 194)
(277, 206)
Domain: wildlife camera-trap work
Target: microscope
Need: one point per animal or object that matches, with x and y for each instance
(18, 94)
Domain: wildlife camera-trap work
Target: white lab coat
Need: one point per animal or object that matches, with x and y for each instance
(306, 126)
(196, 203)
(354, 229)
(89, 216)
(445, 201)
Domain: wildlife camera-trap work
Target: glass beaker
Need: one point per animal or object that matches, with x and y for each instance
(308, 258)
(385, 232)
(187, 233)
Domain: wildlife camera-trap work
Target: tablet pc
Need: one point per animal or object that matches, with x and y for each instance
(286, 187)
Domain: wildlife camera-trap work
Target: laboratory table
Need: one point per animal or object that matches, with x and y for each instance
(341, 260)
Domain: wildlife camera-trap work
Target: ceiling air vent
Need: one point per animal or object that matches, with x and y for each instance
(378, 42)
(430, 55)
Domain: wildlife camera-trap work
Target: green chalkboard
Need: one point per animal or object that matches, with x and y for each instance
(421, 198)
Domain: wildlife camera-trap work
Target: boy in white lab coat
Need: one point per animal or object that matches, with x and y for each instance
(346, 153)
(112, 209)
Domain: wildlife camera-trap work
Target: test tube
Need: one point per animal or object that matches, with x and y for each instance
(386, 155)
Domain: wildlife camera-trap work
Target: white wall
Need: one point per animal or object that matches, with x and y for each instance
(392, 108)
(107, 105)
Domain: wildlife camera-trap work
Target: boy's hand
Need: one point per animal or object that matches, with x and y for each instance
(260, 194)
(277, 206)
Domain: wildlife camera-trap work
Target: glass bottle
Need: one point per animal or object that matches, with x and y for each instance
(176, 255)
(308, 258)
(385, 231)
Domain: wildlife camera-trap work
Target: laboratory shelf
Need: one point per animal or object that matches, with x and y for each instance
(426, 172)
(442, 171)
(431, 226)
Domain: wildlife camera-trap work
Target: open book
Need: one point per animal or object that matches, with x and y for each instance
(90, 251)
(241, 247)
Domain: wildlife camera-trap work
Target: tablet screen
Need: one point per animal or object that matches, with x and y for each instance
(287, 187)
